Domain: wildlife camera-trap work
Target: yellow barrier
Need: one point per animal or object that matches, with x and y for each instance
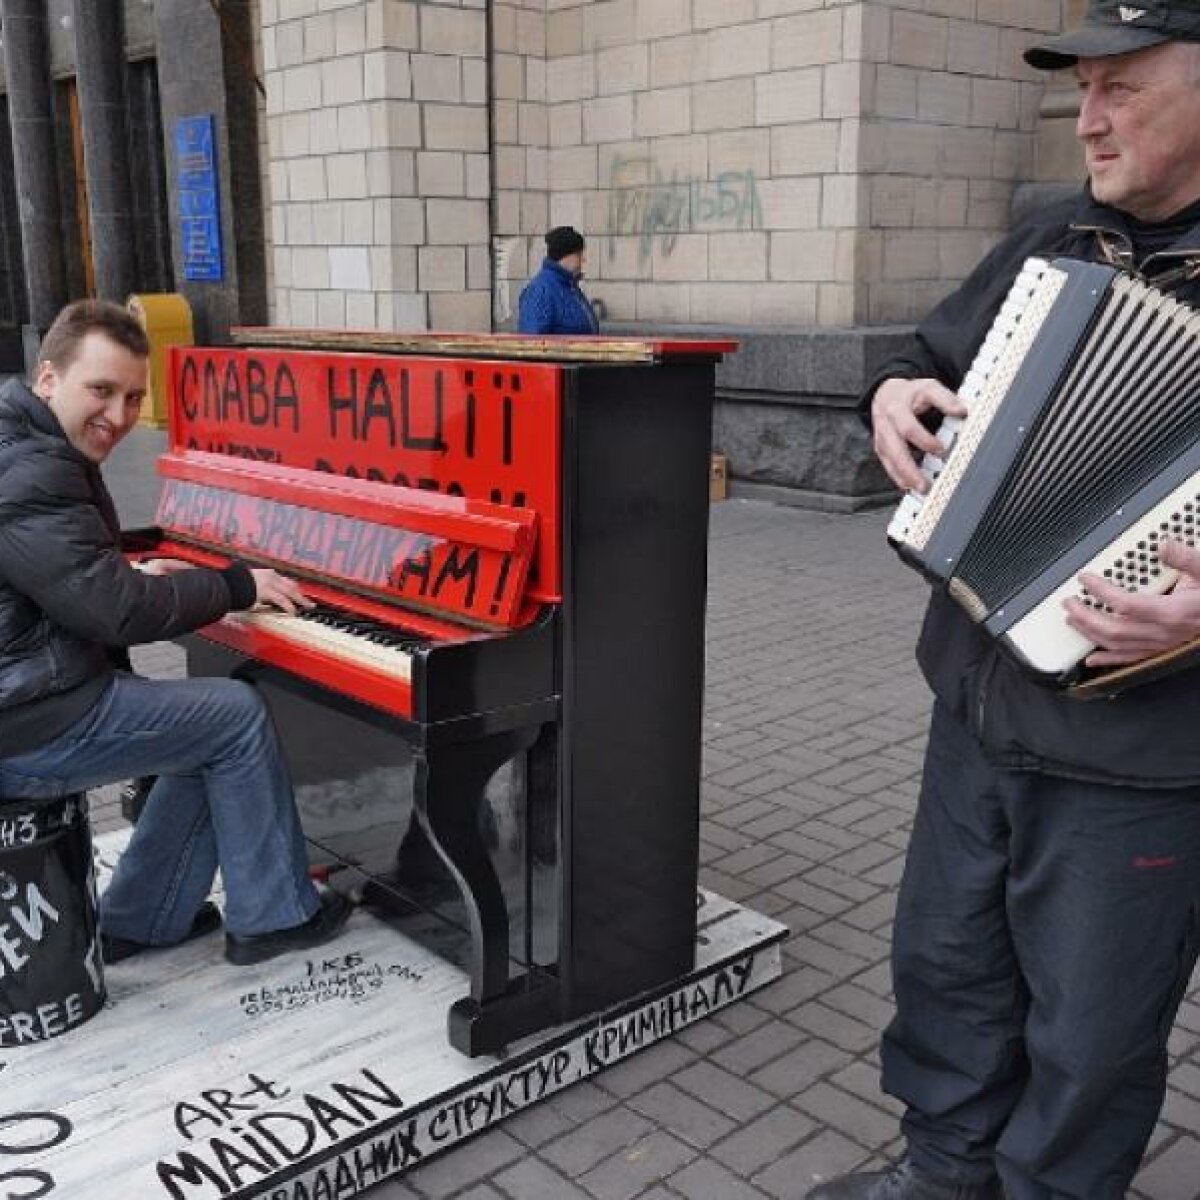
(167, 320)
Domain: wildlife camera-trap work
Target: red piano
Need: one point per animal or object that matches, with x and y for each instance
(506, 540)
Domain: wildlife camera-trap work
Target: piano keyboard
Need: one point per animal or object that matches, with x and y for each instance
(340, 633)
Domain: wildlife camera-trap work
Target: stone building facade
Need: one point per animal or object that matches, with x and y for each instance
(810, 174)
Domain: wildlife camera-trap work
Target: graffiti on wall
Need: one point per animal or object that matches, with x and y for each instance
(645, 203)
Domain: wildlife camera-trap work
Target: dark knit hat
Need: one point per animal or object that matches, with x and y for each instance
(1119, 27)
(563, 240)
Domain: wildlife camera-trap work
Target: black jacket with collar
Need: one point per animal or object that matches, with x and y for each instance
(68, 597)
(1148, 736)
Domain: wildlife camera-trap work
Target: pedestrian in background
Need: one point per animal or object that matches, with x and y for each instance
(552, 301)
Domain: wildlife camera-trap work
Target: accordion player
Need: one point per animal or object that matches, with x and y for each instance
(1079, 451)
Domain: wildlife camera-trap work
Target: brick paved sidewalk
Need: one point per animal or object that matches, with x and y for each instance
(814, 729)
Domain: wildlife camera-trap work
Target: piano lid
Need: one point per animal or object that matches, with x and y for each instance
(466, 559)
(558, 348)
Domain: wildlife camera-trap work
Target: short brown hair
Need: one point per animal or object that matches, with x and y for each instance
(65, 336)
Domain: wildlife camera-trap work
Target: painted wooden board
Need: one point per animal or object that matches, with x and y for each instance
(498, 346)
(309, 1076)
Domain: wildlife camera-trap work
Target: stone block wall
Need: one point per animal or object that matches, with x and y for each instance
(769, 163)
(787, 162)
(950, 115)
(377, 126)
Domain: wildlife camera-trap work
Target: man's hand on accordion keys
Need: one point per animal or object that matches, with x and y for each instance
(1130, 626)
(896, 412)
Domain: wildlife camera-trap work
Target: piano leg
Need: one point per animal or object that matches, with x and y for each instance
(448, 793)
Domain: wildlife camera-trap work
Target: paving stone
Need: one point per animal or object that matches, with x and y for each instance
(646, 1068)
(797, 984)
(862, 1079)
(791, 1073)
(627, 1174)
(704, 1037)
(470, 1162)
(582, 1148)
(724, 1090)
(538, 1124)
(742, 1018)
(762, 1141)
(818, 898)
(668, 1106)
(852, 941)
(823, 1157)
(867, 1124)
(707, 1180)
(856, 1001)
(837, 1027)
(533, 1180)
(581, 1102)
(756, 1049)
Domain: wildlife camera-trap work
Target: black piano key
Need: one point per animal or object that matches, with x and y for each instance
(365, 627)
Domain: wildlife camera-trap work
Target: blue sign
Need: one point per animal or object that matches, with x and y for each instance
(199, 199)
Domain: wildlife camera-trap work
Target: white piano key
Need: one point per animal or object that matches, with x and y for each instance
(339, 643)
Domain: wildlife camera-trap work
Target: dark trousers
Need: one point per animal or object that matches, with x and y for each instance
(1044, 938)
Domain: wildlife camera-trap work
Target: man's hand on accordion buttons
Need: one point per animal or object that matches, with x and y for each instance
(896, 412)
(1141, 624)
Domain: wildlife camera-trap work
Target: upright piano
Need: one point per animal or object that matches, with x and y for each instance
(506, 540)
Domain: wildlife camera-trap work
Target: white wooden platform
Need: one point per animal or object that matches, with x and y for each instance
(309, 1076)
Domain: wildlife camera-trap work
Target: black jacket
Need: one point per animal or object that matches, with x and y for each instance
(68, 597)
(1148, 736)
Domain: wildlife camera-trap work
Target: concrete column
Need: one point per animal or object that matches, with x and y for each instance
(27, 76)
(205, 65)
(100, 69)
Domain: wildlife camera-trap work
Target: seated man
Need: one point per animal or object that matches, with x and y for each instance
(71, 718)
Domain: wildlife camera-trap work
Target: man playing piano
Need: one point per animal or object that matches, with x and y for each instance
(73, 717)
(1049, 917)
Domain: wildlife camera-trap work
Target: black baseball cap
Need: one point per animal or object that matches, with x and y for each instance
(1119, 27)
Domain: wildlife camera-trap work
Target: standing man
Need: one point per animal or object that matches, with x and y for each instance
(1049, 916)
(71, 718)
(552, 301)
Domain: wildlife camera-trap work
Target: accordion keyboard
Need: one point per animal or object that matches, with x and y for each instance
(985, 385)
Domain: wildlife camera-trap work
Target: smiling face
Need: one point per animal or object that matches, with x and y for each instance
(97, 395)
(1139, 121)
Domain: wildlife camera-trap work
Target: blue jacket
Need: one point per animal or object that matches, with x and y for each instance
(553, 302)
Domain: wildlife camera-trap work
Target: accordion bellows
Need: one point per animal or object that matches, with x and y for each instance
(1079, 451)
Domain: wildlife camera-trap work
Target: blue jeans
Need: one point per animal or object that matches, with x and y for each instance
(223, 799)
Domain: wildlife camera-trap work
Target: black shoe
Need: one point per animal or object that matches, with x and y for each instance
(326, 923)
(114, 949)
(901, 1181)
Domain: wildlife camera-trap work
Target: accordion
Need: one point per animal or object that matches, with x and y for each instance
(1079, 450)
